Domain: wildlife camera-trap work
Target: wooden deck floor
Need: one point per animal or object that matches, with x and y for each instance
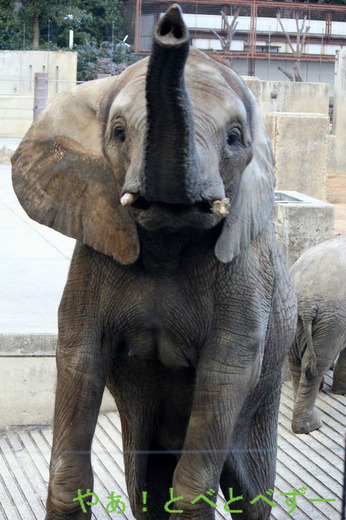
(314, 462)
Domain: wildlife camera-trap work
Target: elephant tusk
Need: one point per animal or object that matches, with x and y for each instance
(221, 207)
(128, 199)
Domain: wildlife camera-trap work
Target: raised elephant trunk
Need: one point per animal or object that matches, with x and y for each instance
(171, 160)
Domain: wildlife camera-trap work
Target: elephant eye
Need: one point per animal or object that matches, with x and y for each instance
(119, 133)
(234, 137)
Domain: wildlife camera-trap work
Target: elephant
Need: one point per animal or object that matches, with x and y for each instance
(178, 298)
(319, 276)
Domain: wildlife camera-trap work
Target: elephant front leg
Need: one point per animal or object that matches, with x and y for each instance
(254, 445)
(80, 385)
(219, 396)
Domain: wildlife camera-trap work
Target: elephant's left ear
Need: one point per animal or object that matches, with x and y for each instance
(63, 180)
(252, 205)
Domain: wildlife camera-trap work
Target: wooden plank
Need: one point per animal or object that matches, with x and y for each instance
(41, 445)
(8, 508)
(327, 452)
(293, 473)
(14, 490)
(38, 462)
(23, 479)
(329, 435)
(28, 466)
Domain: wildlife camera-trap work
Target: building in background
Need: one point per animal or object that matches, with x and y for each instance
(264, 35)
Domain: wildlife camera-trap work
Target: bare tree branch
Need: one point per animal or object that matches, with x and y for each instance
(298, 35)
(297, 76)
(304, 38)
(222, 40)
(230, 28)
(278, 16)
(290, 77)
(301, 35)
(302, 32)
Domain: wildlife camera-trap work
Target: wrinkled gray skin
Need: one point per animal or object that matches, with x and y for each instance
(185, 314)
(319, 276)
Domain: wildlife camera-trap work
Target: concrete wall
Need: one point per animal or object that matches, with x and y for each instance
(283, 96)
(28, 380)
(17, 71)
(301, 222)
(337, 145)
(296, 115)
(17, 75)
(16, 114)
(312, 72)
(300, 146)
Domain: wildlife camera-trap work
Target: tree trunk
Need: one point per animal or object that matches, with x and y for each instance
(36, 31)
(296, 70)
(231, 29)
(290, 77)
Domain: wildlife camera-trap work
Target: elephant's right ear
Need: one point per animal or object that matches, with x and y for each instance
(63, 180)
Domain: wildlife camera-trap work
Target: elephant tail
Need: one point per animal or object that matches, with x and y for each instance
(310, 356)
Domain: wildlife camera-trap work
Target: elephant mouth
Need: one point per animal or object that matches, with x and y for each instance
(218, 207)
(176, 209)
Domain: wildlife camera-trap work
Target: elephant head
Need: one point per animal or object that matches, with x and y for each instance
(177, 140)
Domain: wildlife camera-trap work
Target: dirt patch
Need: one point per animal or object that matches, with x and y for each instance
(336, 194)
(336, 188)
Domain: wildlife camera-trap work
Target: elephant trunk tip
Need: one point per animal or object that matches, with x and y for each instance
(171, 29)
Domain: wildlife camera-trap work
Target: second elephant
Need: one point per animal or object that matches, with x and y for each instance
(319, 276)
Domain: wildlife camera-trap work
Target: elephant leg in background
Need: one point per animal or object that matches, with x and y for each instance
(254, 448)
(339, 375)
(305, 417)
(145, 471)
(306, 384)
(152, 473)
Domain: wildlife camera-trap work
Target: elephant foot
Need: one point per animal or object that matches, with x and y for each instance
(339, 387)
(306, 424)
(65, 513)
(75, 516)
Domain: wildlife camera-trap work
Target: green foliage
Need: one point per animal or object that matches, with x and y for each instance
(104, 20)
(98, 27)
(103, 59)
(91, 20)
(11, 26)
